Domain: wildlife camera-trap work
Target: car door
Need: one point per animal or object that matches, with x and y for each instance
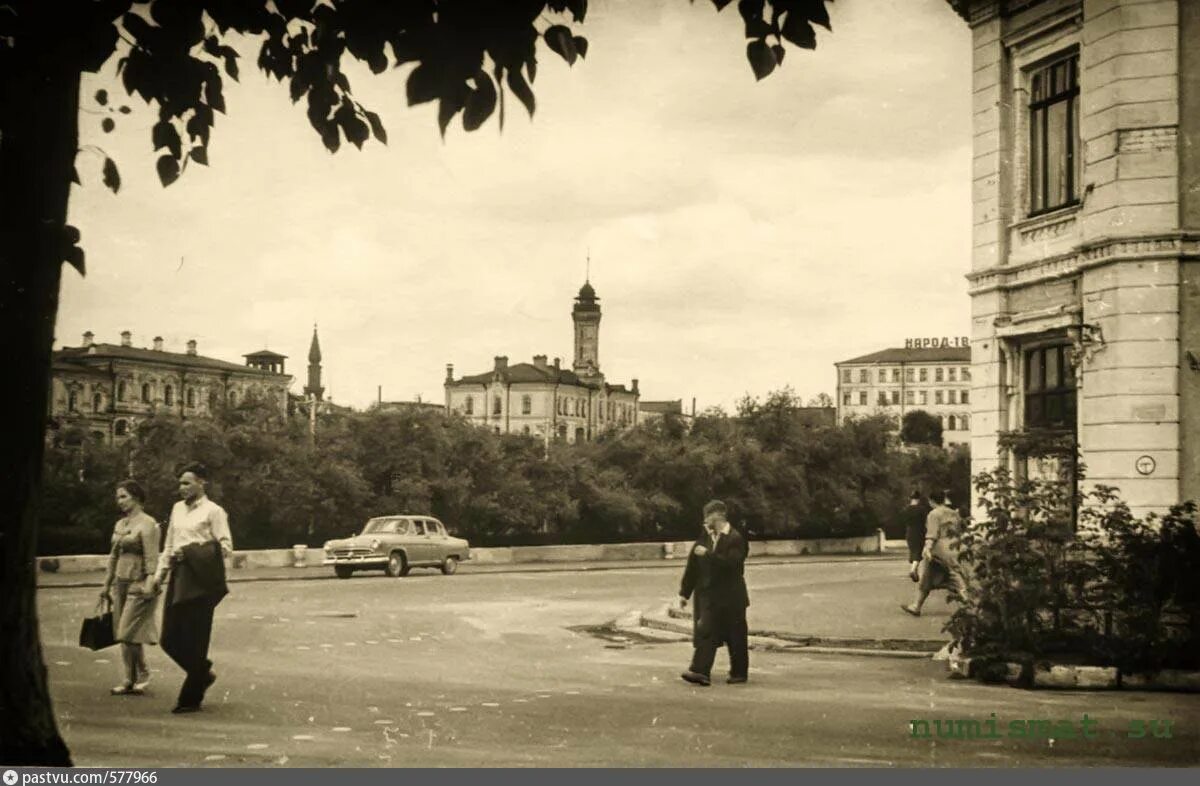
(419, 552)
(437, 539)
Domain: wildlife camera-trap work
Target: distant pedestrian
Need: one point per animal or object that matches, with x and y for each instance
(913, 517)
(129, 582)
(939, 567)
(715, 575)
(197, 542)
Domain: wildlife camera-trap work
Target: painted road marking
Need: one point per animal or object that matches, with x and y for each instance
(341, 728)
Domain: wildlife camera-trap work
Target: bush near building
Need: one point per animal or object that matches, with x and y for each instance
(1104, 588)
(782, 476)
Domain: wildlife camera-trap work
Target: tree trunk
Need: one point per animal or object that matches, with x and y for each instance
(39, 102)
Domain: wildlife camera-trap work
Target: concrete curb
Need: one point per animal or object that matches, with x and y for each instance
(662, 619)
(1067, 677)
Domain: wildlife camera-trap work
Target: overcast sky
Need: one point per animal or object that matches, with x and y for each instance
(743, 236)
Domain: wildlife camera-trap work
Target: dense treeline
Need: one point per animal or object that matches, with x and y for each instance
(781, 477)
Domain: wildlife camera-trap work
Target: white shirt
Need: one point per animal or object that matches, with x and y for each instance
(200, 522)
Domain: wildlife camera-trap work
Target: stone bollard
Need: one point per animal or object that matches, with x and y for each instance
(299, 553)
(881, 541)
(668, 550)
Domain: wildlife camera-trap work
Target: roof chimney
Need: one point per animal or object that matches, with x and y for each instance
(501, 362)
(191, 345)
(88, 338)
(449, 372)
(539, 361)
(557, 364)
(126, 338)
(635, 389)
(158, 344)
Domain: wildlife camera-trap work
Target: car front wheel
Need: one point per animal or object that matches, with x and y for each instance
(343, 571)
(449, 565)
(397, 565)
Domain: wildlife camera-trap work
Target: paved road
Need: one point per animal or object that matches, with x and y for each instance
(494, 670)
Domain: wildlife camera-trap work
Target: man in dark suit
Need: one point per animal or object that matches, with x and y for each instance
(714, 573)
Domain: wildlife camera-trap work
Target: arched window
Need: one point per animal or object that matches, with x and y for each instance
(562, 432)
(72, 401)
(191, 398)
(964, 422)
(496, 405)
(469, 405)
(121, 428)
(145, 392)
(950, 423)
(579, 435)
(233, 398)
(525, 431)
(526, 407)
(121, 391)
(168, 395)
(97, 402)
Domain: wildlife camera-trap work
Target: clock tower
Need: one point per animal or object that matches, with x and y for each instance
(586, 315)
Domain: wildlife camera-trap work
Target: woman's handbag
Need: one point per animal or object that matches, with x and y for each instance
(96, 633)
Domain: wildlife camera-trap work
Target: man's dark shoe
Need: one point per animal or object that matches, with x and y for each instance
(696, 678)
(736, 680)
(183, 709)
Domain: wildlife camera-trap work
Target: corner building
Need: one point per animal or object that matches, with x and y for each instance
(1085, 266)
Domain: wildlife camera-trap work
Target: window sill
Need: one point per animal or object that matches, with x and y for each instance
(1047, 225)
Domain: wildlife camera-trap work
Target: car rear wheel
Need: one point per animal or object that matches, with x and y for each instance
(343, 571)
(449, 565)
(397, 565)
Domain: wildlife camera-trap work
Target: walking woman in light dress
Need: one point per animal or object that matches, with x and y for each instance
(130, 584)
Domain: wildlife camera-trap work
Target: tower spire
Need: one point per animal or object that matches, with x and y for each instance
(313, 388)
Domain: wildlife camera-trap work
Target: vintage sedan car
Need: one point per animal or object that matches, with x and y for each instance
(395, 545)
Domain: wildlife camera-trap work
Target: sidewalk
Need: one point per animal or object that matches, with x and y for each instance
(96, 578)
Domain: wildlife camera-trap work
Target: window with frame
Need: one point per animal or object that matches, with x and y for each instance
(191, 398)
(895, 396)
(120, 391)
(1049, 387)
(168, 395)
(526, 404)
(938, 375)
(1054, 136)
(950, 423)
(924, 394)
(883, 375)
(939, 397)
(951, 375)
(863, 375)
(924, 375)
(953, 396)
(846, 399)
(965, 397)
(882, 399)
(496, 405)
(845, 375)
(895, 375)
(469, 406)
(862, 398)
(908, 397)
(964, 422)
(966, 374)
(97, 402)
(910, 375)
(146, 393)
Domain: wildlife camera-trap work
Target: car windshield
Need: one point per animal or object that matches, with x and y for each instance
(380, 527)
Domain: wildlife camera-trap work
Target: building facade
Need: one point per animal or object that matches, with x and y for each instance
(543, 399)
(1085, 266)
(106, 389)
(893, 382)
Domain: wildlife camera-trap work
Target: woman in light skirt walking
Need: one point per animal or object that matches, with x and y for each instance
(130, 584)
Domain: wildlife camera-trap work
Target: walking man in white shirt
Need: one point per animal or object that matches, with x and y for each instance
(193, 553)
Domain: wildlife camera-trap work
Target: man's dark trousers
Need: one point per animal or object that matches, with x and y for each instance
(717, 625)
(186, 633)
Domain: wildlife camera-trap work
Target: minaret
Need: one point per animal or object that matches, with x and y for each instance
(586, 315)
(313, 388)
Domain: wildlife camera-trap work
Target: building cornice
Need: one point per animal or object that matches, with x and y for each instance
(1086, 256)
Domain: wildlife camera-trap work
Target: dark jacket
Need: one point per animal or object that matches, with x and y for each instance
(199, 574)
(914, 529)
(717, 578)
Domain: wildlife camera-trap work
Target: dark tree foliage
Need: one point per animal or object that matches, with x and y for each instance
(468, 55)
(920, 428)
